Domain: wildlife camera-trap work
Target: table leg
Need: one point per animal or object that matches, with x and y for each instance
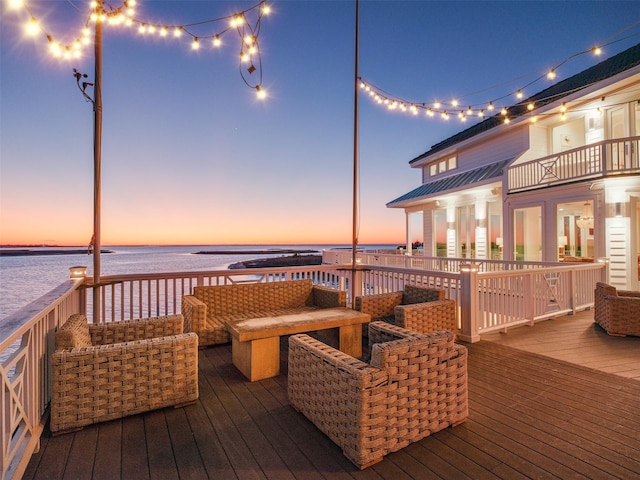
(257, 359)
(351, 340)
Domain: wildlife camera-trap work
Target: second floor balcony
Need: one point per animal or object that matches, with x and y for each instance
(597, 160)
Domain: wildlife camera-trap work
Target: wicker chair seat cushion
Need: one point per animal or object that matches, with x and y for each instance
(74, 333)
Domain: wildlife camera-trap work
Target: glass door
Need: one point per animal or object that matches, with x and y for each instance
(527, 234)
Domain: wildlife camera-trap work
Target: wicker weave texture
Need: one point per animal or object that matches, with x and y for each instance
(415, 385)
(416, 308)
(428, 317)
(209, 307)
(105, 382)
(617, 311)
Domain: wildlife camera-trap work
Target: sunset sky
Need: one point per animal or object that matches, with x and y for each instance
(191, 156)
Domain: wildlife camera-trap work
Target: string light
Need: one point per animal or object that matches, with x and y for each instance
(431, 108)
(246, 24)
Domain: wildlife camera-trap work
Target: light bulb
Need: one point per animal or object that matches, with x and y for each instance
(503, 111)
(216, 41)
(142, 28)
(454, 103)
(164, 31)
(531, 106)
(519, 94)
(195, 45)
(177, 32)
(596, 50)
(15, 4)
(481, 113)
(490, 107)
(260, 93)
(534, 119)
(506, 120)
(436, 105)
(32, 27)
(266, 9)
(552, 74)
(469, 110)
(563, 108)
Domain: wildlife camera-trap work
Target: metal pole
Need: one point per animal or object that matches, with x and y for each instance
(97, 166)
(355, 158)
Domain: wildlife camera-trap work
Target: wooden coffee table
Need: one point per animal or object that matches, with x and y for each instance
(255, 347)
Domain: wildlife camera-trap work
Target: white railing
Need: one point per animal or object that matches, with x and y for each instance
(25, 345)
(421, 262)
(487, 301)
(506, 299)
(146, 295)
(609, 157)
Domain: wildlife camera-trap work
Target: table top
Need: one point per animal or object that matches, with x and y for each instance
(288, 324)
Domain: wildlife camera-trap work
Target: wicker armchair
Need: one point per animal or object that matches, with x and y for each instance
(420, 309)
(414, 385)
(108, 371)
(617, 311)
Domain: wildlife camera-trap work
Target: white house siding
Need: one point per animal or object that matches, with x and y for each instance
(538, 144)
(512, 144)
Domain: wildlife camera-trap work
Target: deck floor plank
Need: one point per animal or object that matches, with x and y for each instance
(162, 464)
(532, 415)
(108, 451)
(135, 462)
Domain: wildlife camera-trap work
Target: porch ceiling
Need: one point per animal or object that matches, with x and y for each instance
(455, 182)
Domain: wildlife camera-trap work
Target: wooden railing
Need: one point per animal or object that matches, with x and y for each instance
(610, 157)
(487, 300)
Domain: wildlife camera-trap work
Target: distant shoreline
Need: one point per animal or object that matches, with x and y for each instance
(287, 261)
(26, 252)
(253, 252)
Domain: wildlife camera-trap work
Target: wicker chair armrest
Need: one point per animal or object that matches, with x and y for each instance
(325, 297)
(194, 312)
(138, 329)
(308, 357)
(381, 332)
(428, 316)
(628, 293)
(379, 305)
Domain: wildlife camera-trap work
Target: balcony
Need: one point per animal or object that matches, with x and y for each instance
(598, 160)
(525, 423)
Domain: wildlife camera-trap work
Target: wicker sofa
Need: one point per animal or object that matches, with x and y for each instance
(108, 371)
(206, 311)
(617, 311)
(414, 385)
(420, 309)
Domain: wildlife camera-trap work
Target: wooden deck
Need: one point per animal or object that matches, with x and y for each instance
(576, 339)
(531, 416)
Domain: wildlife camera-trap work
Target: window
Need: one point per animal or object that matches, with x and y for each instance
(442, 166)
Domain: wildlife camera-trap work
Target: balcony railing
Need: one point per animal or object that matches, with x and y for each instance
(487, 301)
(610, 157)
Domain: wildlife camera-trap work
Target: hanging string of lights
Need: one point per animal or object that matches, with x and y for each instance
(478, 111)
(246, 24)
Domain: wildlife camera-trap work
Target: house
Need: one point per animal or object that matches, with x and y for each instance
(556, 178)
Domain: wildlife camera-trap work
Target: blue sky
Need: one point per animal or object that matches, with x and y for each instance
(191, 156)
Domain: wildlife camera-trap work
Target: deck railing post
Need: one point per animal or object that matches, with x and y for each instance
(468, 303)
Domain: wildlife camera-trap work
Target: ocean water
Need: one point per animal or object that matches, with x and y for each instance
(24, 279)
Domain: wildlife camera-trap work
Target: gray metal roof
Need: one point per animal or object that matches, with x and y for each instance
(486, 172)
